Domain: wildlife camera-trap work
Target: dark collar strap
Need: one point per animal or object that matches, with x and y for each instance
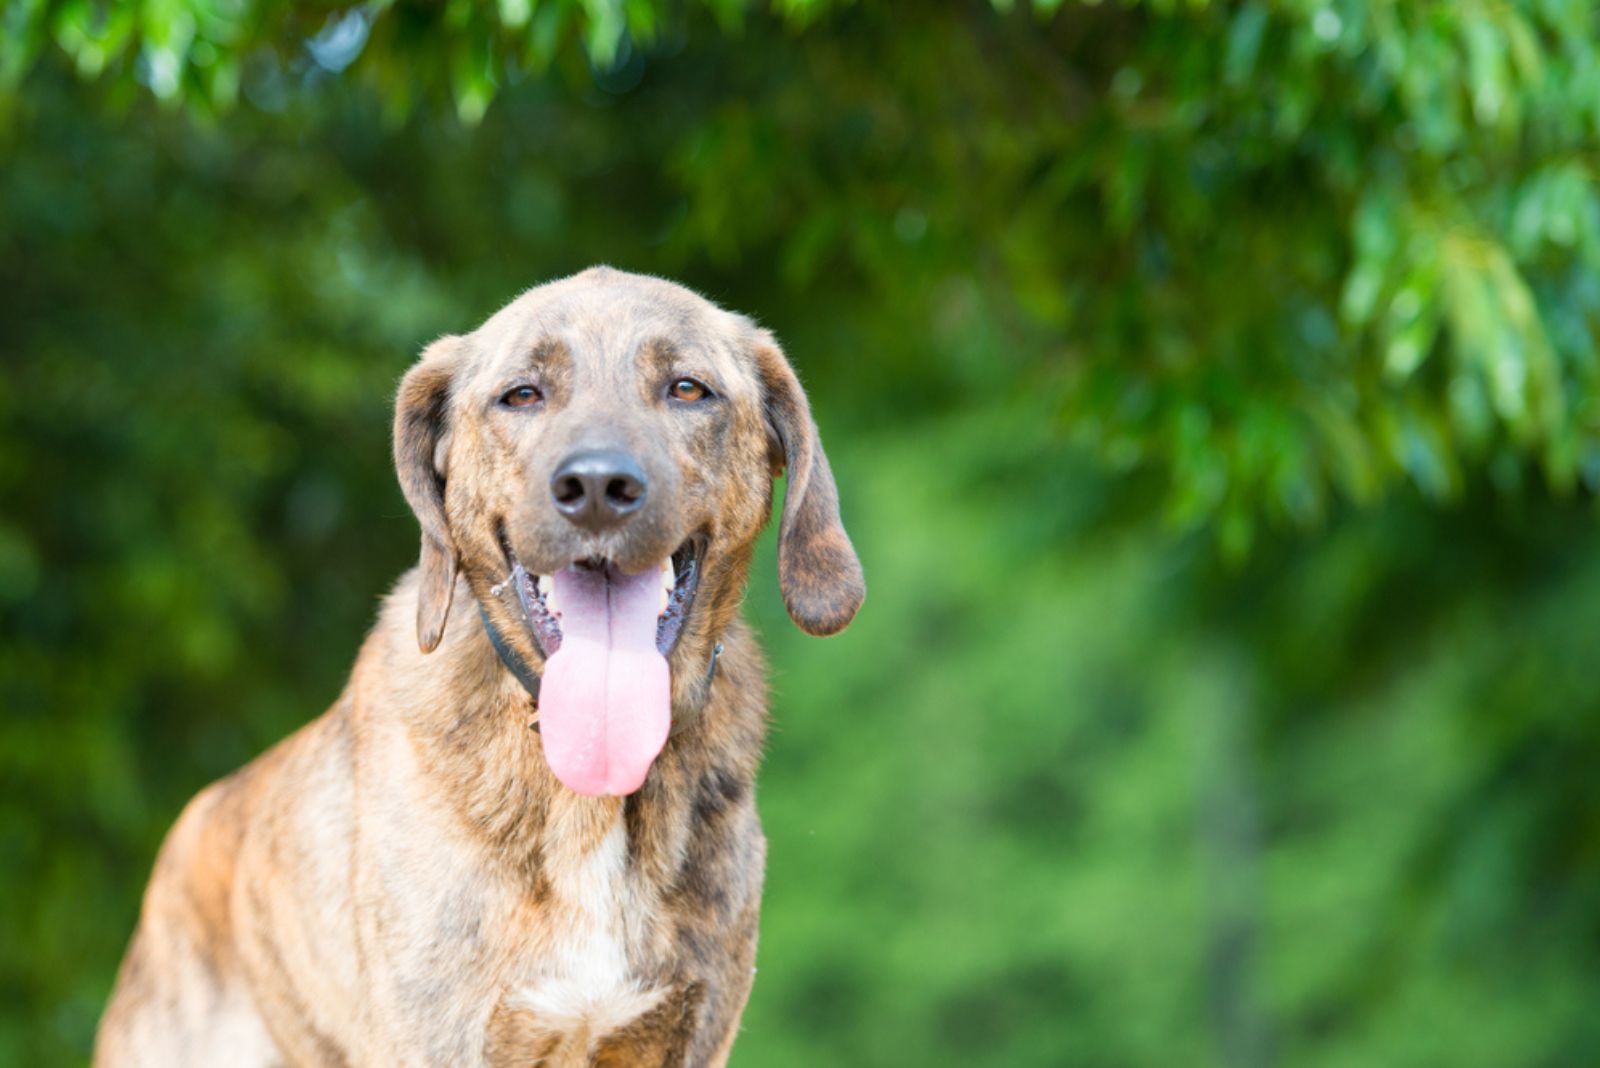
(509, 657)
(524, 674)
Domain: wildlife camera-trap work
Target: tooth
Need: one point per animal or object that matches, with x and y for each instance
(668, 579)
(547, 590)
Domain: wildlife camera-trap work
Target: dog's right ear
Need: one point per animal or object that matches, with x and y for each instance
(421, 443)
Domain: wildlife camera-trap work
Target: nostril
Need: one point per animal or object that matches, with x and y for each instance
(622, 492)
(569, 490)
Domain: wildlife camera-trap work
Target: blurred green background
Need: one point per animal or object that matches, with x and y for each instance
(1213, 388)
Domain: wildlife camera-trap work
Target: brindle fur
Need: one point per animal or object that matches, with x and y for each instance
(387, 885)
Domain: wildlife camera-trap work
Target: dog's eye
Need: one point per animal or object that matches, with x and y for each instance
(687, 389)
(522, 397)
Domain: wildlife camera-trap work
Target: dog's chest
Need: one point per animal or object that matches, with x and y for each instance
(584, 982)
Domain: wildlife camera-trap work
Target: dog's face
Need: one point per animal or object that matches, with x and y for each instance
(596, 460)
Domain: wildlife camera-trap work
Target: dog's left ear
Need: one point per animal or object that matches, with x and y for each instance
(421, 442)
(818, 570)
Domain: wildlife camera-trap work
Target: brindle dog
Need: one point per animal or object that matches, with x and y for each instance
(408, 880)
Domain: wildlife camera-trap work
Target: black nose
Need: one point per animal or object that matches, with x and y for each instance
(599, 488)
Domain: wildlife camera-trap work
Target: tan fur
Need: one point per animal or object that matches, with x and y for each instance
(403, 881)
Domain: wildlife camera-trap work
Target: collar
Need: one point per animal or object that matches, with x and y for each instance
(530, 681)
(510, 657)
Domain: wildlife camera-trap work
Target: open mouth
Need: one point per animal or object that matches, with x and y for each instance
(605, 695)
(541, 595)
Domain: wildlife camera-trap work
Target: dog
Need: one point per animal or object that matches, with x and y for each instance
(525, 833)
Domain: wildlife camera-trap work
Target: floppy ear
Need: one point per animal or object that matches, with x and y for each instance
(421, 439)
(818, 571)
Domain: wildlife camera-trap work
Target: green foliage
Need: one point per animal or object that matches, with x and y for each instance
(1433, 318)
(1083, 293)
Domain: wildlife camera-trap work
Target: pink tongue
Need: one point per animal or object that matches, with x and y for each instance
(605, 702)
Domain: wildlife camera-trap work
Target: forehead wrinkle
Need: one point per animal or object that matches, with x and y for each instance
(549, 355)
(655, 356)
(605, 329)
(609, 323)
(584, 335)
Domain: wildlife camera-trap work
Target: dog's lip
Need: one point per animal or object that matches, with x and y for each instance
(543, 622)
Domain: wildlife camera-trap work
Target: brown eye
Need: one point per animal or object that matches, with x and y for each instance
(522, 397)
(687, 389)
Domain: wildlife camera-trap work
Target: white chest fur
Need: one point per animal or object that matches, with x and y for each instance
(584, 981)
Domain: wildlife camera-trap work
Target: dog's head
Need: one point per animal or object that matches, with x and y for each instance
(596, 461)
